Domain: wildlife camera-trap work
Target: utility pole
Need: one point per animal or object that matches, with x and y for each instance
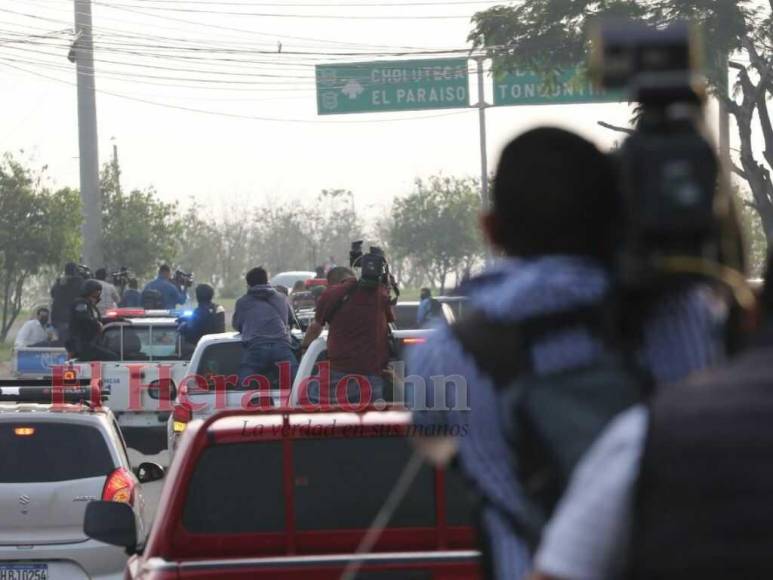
(116, 168)
(484, 195)
(91, 201)
(485, 201)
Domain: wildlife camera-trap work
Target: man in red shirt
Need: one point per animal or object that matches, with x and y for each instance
(357, 315)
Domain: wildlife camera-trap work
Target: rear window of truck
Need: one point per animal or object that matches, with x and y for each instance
(342, 484)
(339, 484)
(139, 343)
(236, 489)
(220, 358)
(48, 451)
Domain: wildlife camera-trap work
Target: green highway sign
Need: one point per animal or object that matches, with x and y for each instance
(404, 85)
(569, 87)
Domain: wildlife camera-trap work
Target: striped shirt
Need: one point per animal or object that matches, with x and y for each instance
(681, 336)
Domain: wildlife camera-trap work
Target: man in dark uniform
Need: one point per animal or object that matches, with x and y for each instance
(63, 294)
(86, 325)
(206, 319)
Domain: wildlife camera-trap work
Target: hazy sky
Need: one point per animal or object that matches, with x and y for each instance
(225, 162)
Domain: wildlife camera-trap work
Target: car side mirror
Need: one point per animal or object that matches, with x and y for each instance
(147, 472)
(111, 522)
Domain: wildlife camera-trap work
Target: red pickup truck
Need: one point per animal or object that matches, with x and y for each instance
(291, 494)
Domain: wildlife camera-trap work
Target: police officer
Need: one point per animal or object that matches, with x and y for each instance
(63, 294)
(206, 319)
(86, 325)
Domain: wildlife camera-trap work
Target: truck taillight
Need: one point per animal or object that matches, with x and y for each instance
(182, 414)
(119, 487)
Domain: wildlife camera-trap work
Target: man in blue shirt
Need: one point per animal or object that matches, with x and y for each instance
(425, 307)
(171, 295)
(131, 296)
(555, 205)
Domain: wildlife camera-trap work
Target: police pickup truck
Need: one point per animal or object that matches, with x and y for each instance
(153, 360)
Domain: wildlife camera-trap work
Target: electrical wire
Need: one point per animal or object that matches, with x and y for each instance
(301, 16)
(248, 117)
(211, 26)
(251, 4)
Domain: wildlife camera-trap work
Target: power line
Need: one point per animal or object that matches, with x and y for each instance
(211, 26)
(249, 117)
(264, 70)
(320, 4)
(301, 16)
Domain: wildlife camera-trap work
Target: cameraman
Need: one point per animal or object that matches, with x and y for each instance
(63, 294)
(110, 296)
(554, 215)
(171, 295)
(358, 318)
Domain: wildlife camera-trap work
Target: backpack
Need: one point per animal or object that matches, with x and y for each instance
(152, 299)
(550, 419)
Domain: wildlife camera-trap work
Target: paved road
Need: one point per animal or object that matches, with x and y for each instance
(151, 491)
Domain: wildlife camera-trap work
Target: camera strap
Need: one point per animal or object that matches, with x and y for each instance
(340, 303)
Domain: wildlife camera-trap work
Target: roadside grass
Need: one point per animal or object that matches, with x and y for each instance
(5, 352)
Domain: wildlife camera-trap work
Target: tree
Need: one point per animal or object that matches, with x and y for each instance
(436, 226)
(199, 247)
(331, 225)
(38, 228)
(552, 34)
(140, 230)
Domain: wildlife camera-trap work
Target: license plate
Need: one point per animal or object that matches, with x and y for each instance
(23, 571)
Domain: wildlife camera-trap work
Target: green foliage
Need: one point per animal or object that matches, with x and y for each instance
(198, 246)
(436, 227)
(277, 237)
(754, 237)
(547, 35)
(139, 230)
(38, 228)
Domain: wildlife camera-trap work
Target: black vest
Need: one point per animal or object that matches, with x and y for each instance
(704, 504)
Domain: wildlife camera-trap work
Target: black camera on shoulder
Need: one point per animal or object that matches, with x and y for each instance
(677, 217)
(374, 268)
(183, 279)
(84, 271)
(121, 277)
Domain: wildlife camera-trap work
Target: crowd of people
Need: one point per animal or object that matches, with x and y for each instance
(79, 303)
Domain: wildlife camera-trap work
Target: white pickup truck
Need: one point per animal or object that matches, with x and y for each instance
(153, 360)
(218, 355)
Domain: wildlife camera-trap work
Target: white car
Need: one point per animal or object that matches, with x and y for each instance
(218, 355)
(54, 461)
(288, 279)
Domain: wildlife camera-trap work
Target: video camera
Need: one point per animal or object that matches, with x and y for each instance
(121, 277)
(677, 219)
(84, 271)
(183, 279)
(374, 268)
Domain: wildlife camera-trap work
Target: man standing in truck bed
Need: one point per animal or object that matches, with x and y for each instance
(358, 316)
(261, 317)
